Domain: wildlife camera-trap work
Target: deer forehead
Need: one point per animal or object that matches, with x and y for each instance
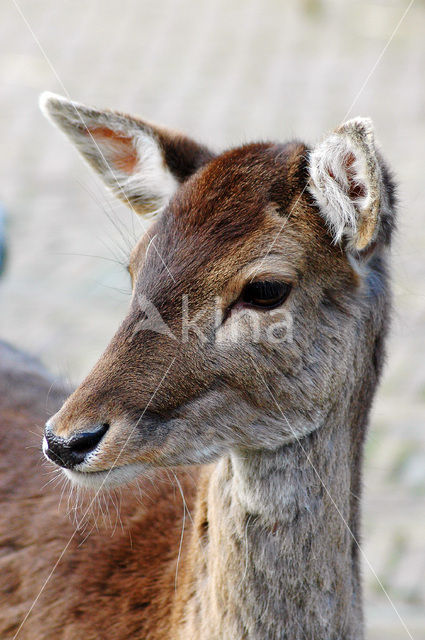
(243, 205)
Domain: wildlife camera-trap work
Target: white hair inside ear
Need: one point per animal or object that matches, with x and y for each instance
(126, 153)
(345, 180)
(142, 163)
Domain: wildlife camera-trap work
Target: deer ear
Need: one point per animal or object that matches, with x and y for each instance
(346, 182)
(141, 163)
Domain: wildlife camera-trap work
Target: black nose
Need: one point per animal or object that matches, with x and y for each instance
(69, 453)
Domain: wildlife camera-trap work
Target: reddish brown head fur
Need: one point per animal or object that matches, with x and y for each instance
(245, 215)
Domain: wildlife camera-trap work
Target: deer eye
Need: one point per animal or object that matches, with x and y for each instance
(265, 294)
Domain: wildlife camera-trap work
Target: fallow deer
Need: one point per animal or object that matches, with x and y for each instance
(271, 427)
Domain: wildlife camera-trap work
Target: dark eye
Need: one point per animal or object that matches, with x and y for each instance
(265, 294)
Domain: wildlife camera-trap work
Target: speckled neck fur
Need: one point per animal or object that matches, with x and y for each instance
(277, 558)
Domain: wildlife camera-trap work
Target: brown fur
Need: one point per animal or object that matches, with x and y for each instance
(278, 428)
(114, 583)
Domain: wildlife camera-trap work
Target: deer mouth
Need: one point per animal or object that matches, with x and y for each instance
(107, 478)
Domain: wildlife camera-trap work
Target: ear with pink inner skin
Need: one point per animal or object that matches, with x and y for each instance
(141, 163)
(347, 185)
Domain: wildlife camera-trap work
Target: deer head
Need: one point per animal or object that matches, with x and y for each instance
(255, 273)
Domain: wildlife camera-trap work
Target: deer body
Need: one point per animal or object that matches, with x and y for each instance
(270, 428)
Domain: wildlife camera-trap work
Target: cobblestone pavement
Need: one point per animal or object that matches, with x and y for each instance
(226, 71)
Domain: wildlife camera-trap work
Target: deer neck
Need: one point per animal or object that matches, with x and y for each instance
(272, 554)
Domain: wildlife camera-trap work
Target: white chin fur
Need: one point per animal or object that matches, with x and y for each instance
(105, 479)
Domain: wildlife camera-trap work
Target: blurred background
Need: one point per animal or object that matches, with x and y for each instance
(225, 71)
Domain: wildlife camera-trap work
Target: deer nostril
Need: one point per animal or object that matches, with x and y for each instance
(69, 453)
(85, 442)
